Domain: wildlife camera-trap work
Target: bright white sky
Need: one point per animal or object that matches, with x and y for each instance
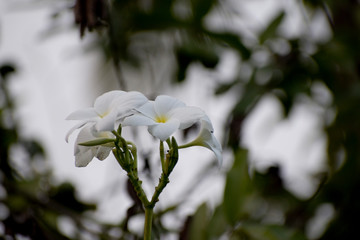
(55, 77)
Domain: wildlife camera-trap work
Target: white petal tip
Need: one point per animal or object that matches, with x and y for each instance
(81, 164)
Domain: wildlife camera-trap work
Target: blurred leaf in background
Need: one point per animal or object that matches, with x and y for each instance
(31, 205)
(256, 205)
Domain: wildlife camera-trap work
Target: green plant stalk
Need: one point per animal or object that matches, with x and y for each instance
(128, 162)
(135, 181)
(162, 156)
(163, 181)
(149, 207)
(148, 222)
(133, 150)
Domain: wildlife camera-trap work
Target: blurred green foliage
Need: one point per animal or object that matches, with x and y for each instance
(31, 205)
(248, 202)
(129, 29)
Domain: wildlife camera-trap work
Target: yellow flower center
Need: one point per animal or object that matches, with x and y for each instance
(104, 114)
(161, 119)
(104, 135)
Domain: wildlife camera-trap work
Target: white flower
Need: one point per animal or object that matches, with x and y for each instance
(108, 108)
(207, 139)
(84, 154)
(164, 116)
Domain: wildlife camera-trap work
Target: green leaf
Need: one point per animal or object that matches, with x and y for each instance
(17, 203)
(238, 188)
(200, 9)
(269, 232)
(173, 155)
(96, 142)
(252, 94)
(270, 31)
(233, 41)
(190, 52)
(7, 69)
(65, 194)
(223, 88)
(198, 228)
(217, 225)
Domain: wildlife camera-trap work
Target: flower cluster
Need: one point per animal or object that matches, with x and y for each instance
(163, 117)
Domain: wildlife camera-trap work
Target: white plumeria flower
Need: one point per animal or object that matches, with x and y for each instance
(108, 108)
(207, 139)
(164, 116)
(84, 154)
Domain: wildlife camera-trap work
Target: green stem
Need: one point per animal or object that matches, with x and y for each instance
(162, 156)
(163, 181)
(116, 134)
(191, 144)
(126, 154)
(148, 223)
(133, 150)
(135, 181)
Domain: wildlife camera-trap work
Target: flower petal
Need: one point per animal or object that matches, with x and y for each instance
(83, 158)
(83, 155)
(103, 152)
(148, 110)
(107, 123)
(187, 115)
(218, 155)
(164, 130)
(213, 144)
(138, 119)
(103, 102)
(206, 123)
(164, 104)
(87, 113)
(79, 125)
(128, 102)
(207, 139)
(85, 134)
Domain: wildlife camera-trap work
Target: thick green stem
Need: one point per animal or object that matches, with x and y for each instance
(163, 181)
(135, 181)
(148, 223)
